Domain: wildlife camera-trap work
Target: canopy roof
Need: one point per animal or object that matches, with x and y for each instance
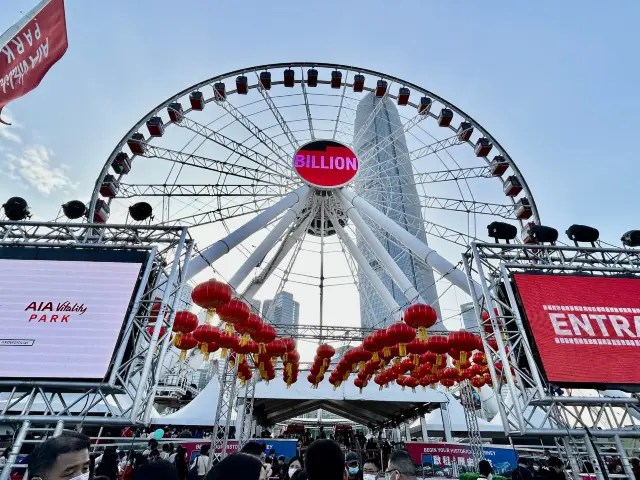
(275, 402)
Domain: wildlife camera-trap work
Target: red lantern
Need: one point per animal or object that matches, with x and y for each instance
(206, 334)
(449, 372)
(184, 322)
(226, 342)
(401, 333)
(380, 381)
(447, 382)
(160, 335)
(440, 346)
(421, 317)
(358, 382)
(372, 344)
(477, 381)
(233, 313)
(277, 348)
(266, 334)
(493, 343)
(187, 342)
(411, 382)
(252, 325)
(211, 348)
(424, 383)
(416, 347)
(464, 342)
(325, 352)
(211, 295)
(479, 358)
(155, 310)
(487, 378)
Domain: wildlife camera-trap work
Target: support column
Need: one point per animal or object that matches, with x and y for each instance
(395, 272)
(423, 428)
(626, 465)
(222, 247)
(593, 458)
(419, 248)
(575, 468)
(59, 427)
(446, 422)
(407, 431)
(15, 450)
(270, 240)
(367, 270)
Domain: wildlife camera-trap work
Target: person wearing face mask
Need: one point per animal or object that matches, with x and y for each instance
(352, 462)
(295, 464)
(61, 458)
(370, 469)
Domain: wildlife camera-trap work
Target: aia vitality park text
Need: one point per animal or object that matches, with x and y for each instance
(60, 308)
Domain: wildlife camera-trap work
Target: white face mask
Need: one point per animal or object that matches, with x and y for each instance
(369, 476)
(292, 471)
(83, 476)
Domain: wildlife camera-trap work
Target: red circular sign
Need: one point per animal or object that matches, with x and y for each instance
(325, 164)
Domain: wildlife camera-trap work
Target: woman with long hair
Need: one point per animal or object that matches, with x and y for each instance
(181, 463)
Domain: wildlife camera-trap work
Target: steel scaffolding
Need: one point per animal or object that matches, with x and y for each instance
(125, 396)
(580, 423)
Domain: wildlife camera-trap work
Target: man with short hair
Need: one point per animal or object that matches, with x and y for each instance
(401, 466)
(61, 458)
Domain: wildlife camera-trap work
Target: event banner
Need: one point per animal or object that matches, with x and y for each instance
(62, 319)
(438, 459)
(27, 56)
(575, 319)
(288, 448)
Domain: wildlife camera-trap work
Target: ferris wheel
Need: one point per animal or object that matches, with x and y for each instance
(354, 190)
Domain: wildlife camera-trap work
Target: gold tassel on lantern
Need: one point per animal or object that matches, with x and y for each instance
(463, 356)
(228, 328)
(403, 349)
(387, 352)
(223, 353)
(204, 349)
(183, 355)
(208, 319)
(375, 357)
(206, 357)
(245, 339)
(177, 338)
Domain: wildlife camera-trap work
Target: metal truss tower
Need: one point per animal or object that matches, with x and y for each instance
(125, 397)
(582, 425)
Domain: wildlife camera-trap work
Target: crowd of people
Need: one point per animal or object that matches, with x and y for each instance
(68, 457)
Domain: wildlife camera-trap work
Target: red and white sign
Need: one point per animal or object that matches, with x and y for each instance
(587, 329)
(28, 55)
(326, 164)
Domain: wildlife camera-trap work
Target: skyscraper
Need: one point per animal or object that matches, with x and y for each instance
(283, 310)
(386, 181)
(468, 317)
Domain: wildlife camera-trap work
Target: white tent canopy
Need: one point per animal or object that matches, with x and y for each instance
(201, 411)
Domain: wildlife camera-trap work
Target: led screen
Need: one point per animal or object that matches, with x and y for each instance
(586, 329)
(62, 318)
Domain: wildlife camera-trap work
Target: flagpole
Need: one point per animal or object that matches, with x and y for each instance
(15, 28)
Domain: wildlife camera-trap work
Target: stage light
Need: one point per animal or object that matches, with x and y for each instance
(74, 209)
(16, 209)
(140, 211)
(583, 233)
(631, 238)
(502, 231)
(542, 234)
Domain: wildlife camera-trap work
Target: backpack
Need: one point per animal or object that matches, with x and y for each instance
(193, 471)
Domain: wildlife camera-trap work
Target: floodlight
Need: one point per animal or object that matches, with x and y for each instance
(140, 211)
(502, 231)
(583, 233)
(74, 209)
(16, 209)
(631, 238)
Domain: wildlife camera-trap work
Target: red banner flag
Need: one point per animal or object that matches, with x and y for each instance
(39, 41)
